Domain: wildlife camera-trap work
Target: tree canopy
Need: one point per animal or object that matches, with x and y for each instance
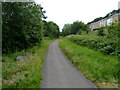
(23, 25)
(76, 28)
(51, 29)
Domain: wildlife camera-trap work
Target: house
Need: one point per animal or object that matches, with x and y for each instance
(113, 18)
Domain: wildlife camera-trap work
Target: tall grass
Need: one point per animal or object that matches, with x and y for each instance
(105, 45)
(99, 68)
(26, 73)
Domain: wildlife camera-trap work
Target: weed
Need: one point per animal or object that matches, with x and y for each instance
(24, 74)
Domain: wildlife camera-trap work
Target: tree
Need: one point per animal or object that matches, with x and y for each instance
(66, 29)
(22, 25)
(51, 29)
(78, 27)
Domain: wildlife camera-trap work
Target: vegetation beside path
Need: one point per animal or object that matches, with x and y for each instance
(99, 68)
(26, 73)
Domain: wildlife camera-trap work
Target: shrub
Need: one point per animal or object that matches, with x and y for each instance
(102, 44)
(101, 32)
(22, 25)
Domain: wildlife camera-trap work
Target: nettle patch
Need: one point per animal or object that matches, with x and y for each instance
(101, 44)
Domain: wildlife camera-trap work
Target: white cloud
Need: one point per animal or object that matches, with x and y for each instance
(68, 11)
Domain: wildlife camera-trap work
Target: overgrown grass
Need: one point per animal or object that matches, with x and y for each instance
(26, 73)
(105, 45)
(99, 68)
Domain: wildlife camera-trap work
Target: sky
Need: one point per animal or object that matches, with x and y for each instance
(67, 11)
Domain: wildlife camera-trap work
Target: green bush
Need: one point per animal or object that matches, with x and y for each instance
(113, 30)
(101, 32)
(22, 25)
(104, 45)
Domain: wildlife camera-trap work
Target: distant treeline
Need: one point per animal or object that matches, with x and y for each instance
(76, 27)
(23, 26)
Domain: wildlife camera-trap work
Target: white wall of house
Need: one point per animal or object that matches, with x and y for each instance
(108, 21)
(105, 22)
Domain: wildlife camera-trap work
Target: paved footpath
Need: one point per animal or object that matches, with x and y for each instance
(58, 72)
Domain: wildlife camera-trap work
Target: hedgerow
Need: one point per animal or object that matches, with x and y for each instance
(106, 46)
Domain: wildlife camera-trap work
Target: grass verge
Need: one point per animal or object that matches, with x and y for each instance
(99, 68)
(26, 73)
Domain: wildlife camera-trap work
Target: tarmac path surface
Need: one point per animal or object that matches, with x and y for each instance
(59, 72)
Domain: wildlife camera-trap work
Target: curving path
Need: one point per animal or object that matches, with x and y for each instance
(58, 72)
